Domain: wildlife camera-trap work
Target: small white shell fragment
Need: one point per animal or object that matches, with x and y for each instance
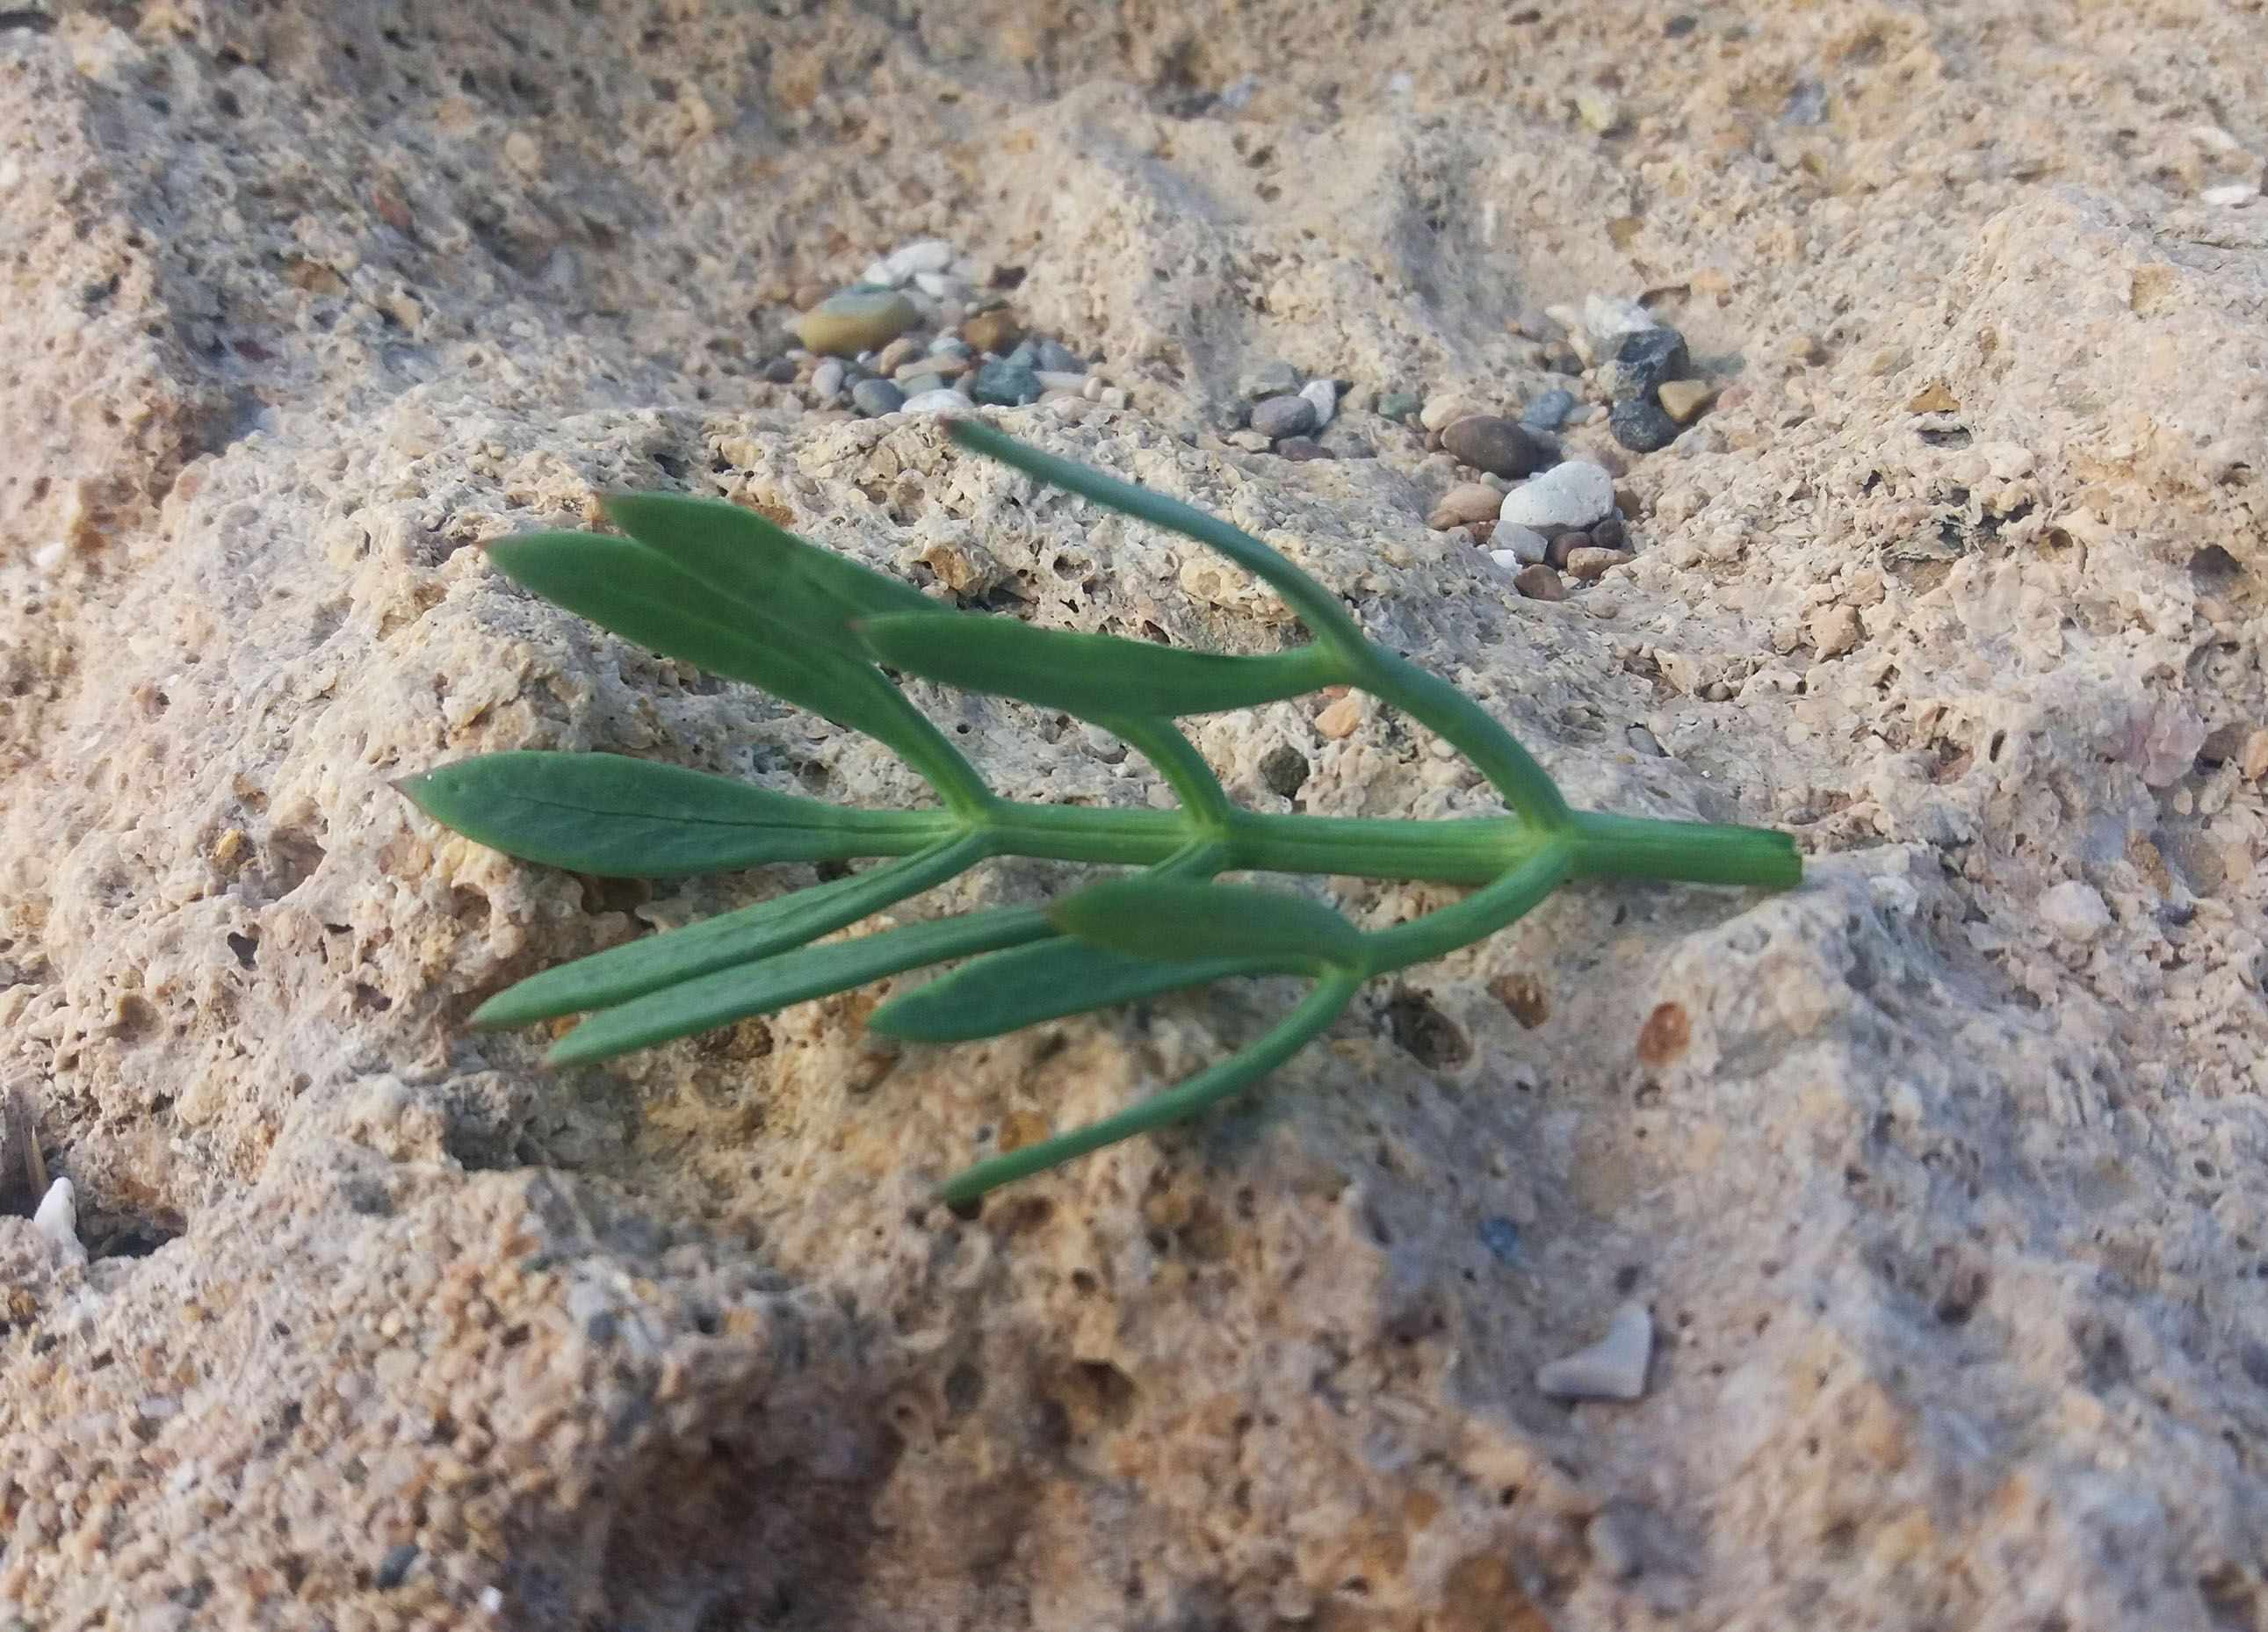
(1613, 1367)
(57, 1217)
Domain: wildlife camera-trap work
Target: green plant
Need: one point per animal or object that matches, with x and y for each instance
(718, 586)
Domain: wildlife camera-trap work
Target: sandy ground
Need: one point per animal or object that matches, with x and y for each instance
(1944, 1178)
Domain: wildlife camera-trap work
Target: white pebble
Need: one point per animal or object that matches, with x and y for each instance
(910, 260)
(57, 1217)
(945, 400)
(1509, 559)
(1613, 1367)
(2234, 193)
(1056, 380)
(1325, 395)
(2074, 910)
(1607, 319)
(827, 378)
(1116, 397)
(879, 272)
(48, 556)
(1576, 494)
(941, 286)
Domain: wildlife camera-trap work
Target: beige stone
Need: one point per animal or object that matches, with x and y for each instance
(1684, 398)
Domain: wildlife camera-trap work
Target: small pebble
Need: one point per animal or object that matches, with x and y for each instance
(1284, 769)
(1496, 446)
(1299, 449)
(1026, 354)
(1398, 405)
(994, 331)
(945, 400)
(1640, 424)
(1591, 562)
(874, 398)
(1611, 533)
(1055, 357)
(1645, 359)
(941, 286)
(1538, 582)
(1271, 378)
(897, 354)
(1278, 417)
(928, 254)
(2252, 758)
(1565, 542)
(394, 1568)
(1249, 439)
(1613, 1367)
(1525, 544)
(1324, 394)
(1006, 385)
(827, 379)
(1682, 400)
(1443, 411)
(913, 382)
(950, 346)
(1116, 397)
(57, 1216)
(1467, 502)
(781, 370)
(1341, 717)
(1607, 319)
(846, 324)
(1562, 359)
(1644, 741)
(1549, 411)
(1576, 494)
(1599, 110)
(2074, 910)
(1051, 379)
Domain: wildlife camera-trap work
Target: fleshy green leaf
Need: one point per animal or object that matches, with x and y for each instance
(622, 818)
(642, 596)
(1147, 916)
(780, 577)
(1091, 675)
(1046, 980)
(619, 973)
(713, 1000)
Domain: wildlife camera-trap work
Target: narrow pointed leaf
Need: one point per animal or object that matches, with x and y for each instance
(619, 973)
(709, 1001)
(1087, 674)
(1168, 918)
(781, 578)
(1046, 980)
(621, 817)
(642, 596)
(1178, 1104)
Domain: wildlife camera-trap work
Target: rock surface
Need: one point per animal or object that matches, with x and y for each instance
(1954, 1222)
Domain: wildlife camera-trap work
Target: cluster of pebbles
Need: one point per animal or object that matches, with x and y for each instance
(913, 336)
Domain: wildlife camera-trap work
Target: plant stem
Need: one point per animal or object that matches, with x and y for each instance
(1693, 852)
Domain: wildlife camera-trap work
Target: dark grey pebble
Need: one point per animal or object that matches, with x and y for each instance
(394, 1568)
(1299, 449)
(1011, 385)
(1642, 425)
(1647, 358)
(1278, 418)
(1611, 534)
(874, 398)
(1549, 411)
(1497, 446)
(1284, 769)
(1562, 359)
(1564, 544)
(780, 370)
(1501, 1237)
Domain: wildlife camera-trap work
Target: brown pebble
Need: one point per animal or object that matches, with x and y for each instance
(1301, 449)
(899, 352)
(1339, 719)
(1934, 398)
(1481, 532)
(2252, 760)
(1498, 445)
(1539, 583)
(1564, 544)
(1611, 534)
(1525, 996)
(1467, 502)
(1591, 562)
(995, 331)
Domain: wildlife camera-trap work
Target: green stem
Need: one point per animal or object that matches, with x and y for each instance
(1208, 1088)
(1478, 915)
(1467, 727)
(1691, 852)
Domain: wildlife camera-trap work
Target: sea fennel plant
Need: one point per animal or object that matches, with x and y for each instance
(720, 587)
